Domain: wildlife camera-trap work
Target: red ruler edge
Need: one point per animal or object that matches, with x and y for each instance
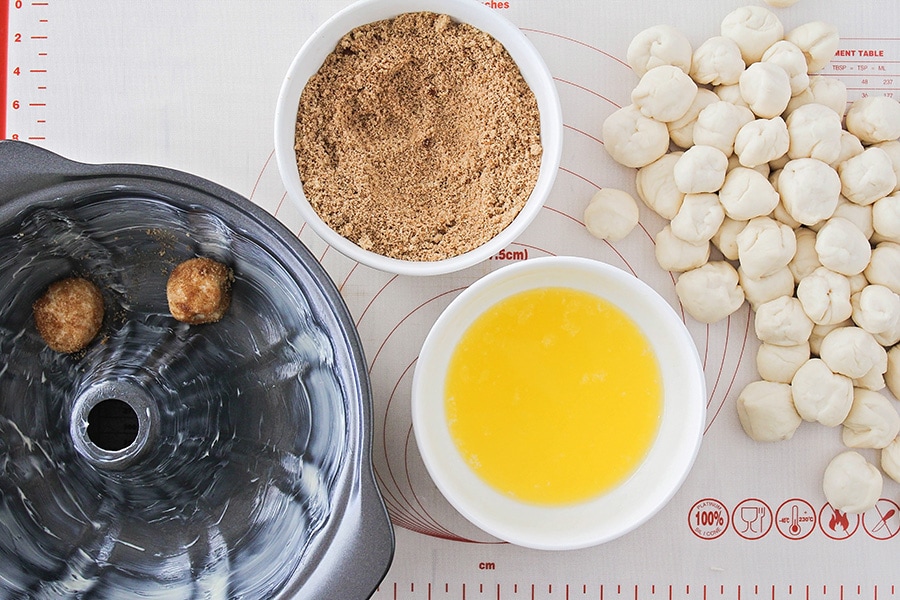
(4, 67)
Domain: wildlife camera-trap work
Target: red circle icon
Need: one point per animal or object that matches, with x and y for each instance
(882, 522)
(795, 519)
(752, 519)
(708, 519)
(837, 524)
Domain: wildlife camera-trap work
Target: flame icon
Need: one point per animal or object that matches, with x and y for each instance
(839, 518)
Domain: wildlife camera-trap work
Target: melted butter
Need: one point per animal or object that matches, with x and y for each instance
(553, 396)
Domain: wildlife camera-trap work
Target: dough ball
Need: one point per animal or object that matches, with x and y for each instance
(825, 296)
(868, 176)
(850, 147)
(765, 246)
(780, 363)
(815, 132)
(860, 216)
(851, 484)
(717, 125)
(699, 218)
(611, 214)
(889, 337)
(700, 169)
(886, 217)
(199, 291)
(806, 259)
(890, 460)
(746, 194)
(842, 247)
(664, 93)
(884, 266)
(789, 57)
(817, 40)
(874, 119)
(759, 290)
(68, 315)
(761, 141)
(711, 292)
(809, 189)
(872, 422)
(659, 45)
(876, 308)
(782, 322)
(676, 255)
(821, 395)
(681, 131)
(892, 148)
(632, 139)
(754, 29)
(820, 331)
(717, 61)
(731, 93)
(726, 237)
(766, 88)
(852, 351)
(892, 374)
(766, 411)
(655, 185)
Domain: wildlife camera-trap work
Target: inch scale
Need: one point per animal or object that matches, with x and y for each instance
(24, 82)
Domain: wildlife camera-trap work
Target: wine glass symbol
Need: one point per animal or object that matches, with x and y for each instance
(749, 515)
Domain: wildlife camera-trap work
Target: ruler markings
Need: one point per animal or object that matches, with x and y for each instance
(4, 64)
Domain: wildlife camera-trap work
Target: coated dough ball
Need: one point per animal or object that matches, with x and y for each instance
(867, 177)
(717, 61)
(874, 119)
(726, 237)
(761, 141)
(851, 484)
(825, 296)
(821, 395)
(766, 411)
(892, 374)
(765, 246)
(681, 131)
(806, 259)
(842, 247)
(817, 40)
(699, 218)
(68, 315)
(884, 266)
(655, 185)
(779, 364)
(759, 290)
(199, 290)
(659, 45)
(782, 322)
(809, 189)
(711, 292)
(611, 214)
(676, 255)
(890, 460)
(664, 93)
(746, 194)
(766, 88)
(872, 422)
(700, 169)
(852, 351)
(754, 29)
(789, 57)
(815, 132)
(632, 139)
(717, 125)
(876, 308)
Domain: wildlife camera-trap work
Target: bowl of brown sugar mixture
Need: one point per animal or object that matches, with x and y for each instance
(418, 137)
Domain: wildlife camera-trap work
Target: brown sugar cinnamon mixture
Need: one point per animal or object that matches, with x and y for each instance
(418, 138)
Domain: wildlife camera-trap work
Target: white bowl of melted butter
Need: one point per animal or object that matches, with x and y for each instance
(558, 403)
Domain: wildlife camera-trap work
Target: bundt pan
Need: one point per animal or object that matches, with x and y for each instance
(166, 460)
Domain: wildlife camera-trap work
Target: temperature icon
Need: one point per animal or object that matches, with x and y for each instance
(795, 519)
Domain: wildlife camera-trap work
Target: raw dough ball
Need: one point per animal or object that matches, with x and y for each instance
(611, 214)
(815, 132)
(726, 238)
(664, 93)
(850, 147)
(746, 194)
(892, 375)
(699, 218)
(780, 363)
(790, 58)
(717, 125)
(655, 185)
(876, 308)
(809, 189)
(68, 315)
(886, 217)
(199, 291)
(759, 290)
(731, 93)
(820, 331)
(851, 484)
(766, 88)
(700, 169)
(711, 292)
(874, 119)
(632, 139)
(825, 296)
(765, 246)
(717, 61)
(806, 259)
(868, 176)
(754, 29)
(821, 395)
(761, 141)
(892, 148)
(681, 131)
(884, 266)
(872, 422)
(659, 45)
(782, 322)
(817, 40)
(676, 255)
(842, 247)
(890, 460)
(766, 411)
(852, 351)
(860, 216)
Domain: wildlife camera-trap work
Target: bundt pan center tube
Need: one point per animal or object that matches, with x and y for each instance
(167, 460)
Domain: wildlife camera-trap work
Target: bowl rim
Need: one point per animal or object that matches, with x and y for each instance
(532, 66)
(616, 512)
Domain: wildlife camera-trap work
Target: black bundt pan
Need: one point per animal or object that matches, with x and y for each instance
(226, 460)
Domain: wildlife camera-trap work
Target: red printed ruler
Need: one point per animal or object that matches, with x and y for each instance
(4, 51)
(25, 28)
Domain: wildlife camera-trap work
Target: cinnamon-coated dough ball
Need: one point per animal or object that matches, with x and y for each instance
(68, 315)
(199, 290)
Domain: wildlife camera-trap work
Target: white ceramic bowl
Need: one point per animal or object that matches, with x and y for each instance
(322, 43)
(623, 508)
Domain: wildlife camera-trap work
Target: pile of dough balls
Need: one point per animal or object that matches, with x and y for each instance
(777, 194)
